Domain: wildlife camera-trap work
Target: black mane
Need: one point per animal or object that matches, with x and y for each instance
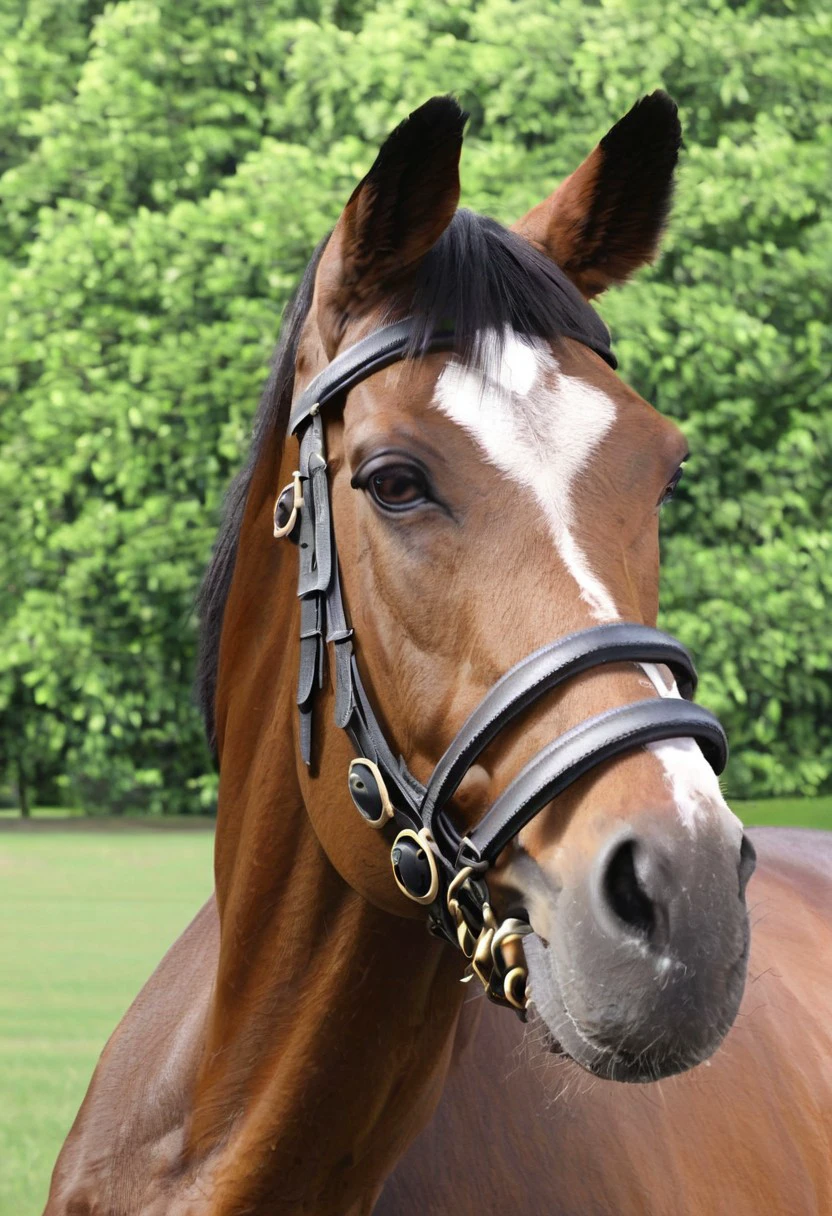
(272, 414)
(479, 279)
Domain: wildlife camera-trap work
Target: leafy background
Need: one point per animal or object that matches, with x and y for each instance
(167, 168)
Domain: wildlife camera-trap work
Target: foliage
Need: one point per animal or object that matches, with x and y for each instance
(167, 169)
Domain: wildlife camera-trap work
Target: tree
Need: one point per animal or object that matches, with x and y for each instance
(169, 167)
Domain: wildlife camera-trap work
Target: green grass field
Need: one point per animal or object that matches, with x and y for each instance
(86, 915)
(85, 918)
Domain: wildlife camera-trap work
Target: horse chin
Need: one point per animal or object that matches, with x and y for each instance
(608, 1055)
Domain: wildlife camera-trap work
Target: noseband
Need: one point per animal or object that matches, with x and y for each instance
(434, 864)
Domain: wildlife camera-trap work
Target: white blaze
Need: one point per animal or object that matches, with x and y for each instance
(541, 430)
(692, 781)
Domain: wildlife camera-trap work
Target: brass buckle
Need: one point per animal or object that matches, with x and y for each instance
(504, 981)
(513, 978)
(482, 963)
(465, 938)
(297, 502)
(424, 839)
(386, 811)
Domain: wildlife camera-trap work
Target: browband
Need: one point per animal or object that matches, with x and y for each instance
(434, 863)
(391, 344)
(369, 355)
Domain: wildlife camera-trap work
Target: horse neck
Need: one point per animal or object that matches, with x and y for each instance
(332, 1021)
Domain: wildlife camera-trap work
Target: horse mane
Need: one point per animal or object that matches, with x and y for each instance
(272, 415)
(479, 278)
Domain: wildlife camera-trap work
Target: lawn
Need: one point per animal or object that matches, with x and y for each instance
(86, 916)
(796, 812)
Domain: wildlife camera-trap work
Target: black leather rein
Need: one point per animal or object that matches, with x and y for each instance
(433, 863)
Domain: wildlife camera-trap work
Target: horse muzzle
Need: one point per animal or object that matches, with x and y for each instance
(642, 967)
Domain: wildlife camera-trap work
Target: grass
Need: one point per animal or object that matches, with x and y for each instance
(42, 812)
(74, 817)
(85, 918)
(87, 910)
(796, 812)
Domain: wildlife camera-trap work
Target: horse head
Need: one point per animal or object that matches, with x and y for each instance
(490, 499)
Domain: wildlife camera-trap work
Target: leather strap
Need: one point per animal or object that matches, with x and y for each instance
(380, 349)
(372, 354)
(583, 748)
(539, 673)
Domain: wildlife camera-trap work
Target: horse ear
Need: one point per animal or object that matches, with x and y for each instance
(395, 214)
(606, 219)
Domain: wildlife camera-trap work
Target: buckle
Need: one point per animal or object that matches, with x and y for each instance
(293, 506)
(369, 792)
(414, 865)
(465, 937)
(495, 951)
(468, 857)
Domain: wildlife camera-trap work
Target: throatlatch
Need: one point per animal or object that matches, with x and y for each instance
(433, 863)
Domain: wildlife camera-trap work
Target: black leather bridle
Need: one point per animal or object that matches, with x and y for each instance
(433, 863)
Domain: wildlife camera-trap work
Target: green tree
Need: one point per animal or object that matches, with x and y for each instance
(166, 170)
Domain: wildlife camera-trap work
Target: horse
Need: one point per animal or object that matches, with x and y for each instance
(470, 513)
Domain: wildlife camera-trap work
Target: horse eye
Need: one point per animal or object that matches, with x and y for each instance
(397, 489)
(670, 489)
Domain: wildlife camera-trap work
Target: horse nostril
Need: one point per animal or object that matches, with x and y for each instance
(747, 864)
(624, 892)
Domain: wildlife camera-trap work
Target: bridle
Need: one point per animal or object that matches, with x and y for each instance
(433, 863)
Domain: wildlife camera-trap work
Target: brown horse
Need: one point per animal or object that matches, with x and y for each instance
(297, 1039)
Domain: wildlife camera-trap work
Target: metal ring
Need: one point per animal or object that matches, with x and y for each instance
(465, 938)
(386, 804)
(510, 930)
(515, 974)
(295, 485)
(482, 957)
(424, 838)
(458, 880)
